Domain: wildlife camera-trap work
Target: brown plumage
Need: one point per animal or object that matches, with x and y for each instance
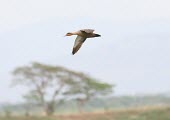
(82, 35)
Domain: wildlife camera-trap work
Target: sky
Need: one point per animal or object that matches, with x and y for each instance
(132, 52)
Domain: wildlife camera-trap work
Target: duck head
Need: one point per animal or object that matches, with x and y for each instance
(69, 34)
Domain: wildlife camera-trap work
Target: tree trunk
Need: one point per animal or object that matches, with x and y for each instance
(79, 107)
(50, 109)
(80, 104)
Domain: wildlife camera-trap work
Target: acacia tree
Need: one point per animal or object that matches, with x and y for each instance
(88, 88)
(46, 84)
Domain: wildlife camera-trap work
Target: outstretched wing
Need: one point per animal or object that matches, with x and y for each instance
(87, 30)
(78, 43)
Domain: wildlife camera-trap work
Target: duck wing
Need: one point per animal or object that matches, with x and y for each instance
(78, 43)
(87, 30)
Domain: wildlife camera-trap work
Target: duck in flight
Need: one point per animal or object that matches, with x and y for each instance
(82, 35)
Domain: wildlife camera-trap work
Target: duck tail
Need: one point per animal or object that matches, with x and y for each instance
(97, 35)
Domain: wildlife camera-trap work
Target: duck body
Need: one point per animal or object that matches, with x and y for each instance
(82, 35)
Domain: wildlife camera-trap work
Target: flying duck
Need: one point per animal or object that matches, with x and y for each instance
(82, 35)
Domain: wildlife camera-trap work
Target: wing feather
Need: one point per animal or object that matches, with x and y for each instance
(78, 43)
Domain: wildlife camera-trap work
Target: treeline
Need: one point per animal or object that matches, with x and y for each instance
(109, 103)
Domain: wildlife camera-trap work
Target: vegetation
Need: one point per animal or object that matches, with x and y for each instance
(104, 103)
(88, 89)
(55, 90)
(51, 85)
(157, 113)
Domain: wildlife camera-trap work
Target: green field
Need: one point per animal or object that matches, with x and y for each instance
(144, 113)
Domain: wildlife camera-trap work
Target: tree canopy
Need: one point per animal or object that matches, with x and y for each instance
(49, 85)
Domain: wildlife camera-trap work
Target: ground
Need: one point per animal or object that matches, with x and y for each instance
(144, 113)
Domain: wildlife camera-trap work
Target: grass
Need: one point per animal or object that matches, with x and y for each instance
(144, 113)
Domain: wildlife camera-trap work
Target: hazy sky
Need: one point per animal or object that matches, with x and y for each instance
(132, 53)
